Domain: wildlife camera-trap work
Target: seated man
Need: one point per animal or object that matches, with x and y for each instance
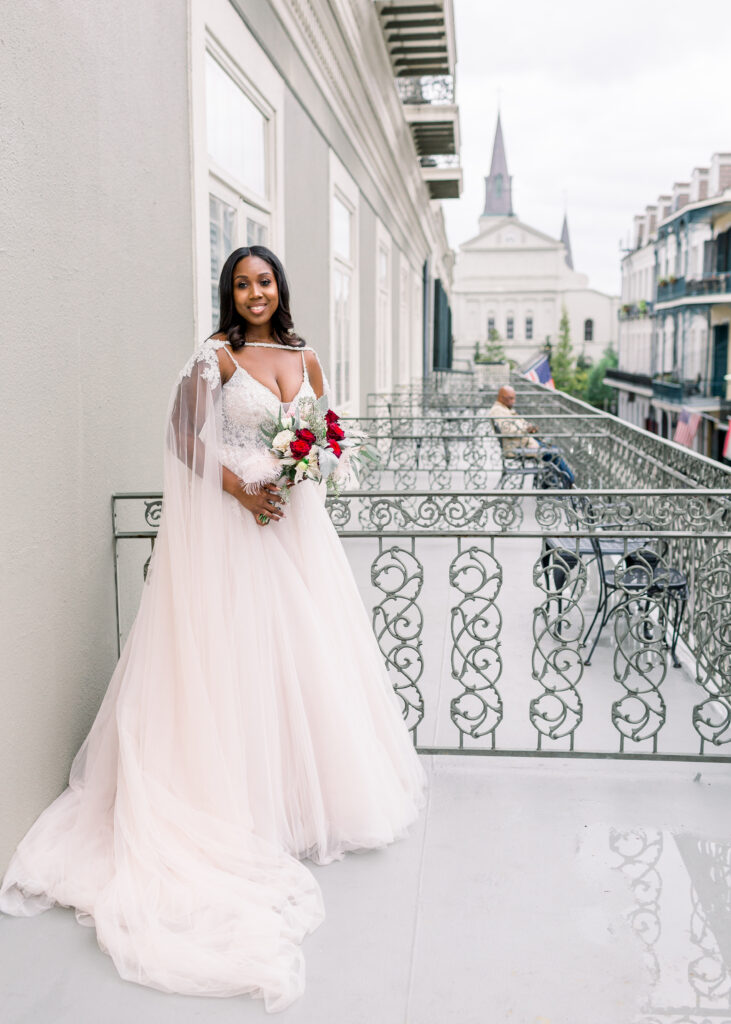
(508, 422)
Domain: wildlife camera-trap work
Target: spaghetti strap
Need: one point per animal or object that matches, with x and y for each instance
(304, 368)
(236, 365)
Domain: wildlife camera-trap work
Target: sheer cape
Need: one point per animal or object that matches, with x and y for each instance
(240, 732)
(184, 895)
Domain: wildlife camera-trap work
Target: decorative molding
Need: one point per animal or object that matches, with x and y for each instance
(333, 43)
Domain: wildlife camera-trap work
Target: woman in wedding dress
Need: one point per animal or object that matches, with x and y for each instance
(250, 722)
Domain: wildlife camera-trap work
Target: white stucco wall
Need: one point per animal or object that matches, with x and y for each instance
(97, 313)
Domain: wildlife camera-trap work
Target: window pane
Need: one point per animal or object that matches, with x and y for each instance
(509, 330)
(236, 129)
(222, 223)
(341, 228)
(382, 268)
(341, 296)
(256, 232)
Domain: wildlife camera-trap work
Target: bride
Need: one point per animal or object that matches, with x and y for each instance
(250, 722)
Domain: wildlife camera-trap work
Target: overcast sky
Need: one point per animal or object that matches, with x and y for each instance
(607, 104)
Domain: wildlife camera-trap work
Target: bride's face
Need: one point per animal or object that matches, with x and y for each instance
(256, 296)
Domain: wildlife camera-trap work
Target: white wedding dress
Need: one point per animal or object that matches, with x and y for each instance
(249, 723)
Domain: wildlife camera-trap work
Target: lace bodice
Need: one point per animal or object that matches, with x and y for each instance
(246, 403)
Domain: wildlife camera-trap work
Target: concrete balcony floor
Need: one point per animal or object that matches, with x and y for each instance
(534, 892)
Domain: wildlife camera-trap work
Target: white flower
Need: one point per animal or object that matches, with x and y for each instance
(286, 422)
(282, 440)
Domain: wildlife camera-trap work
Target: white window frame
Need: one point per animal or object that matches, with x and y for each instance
(404, 340)
(384, 311)
(345, 189)
(211, 22)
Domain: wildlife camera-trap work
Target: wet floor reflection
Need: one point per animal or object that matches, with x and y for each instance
(681, 887)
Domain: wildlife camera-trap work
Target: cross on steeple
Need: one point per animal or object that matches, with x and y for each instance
(498, 184)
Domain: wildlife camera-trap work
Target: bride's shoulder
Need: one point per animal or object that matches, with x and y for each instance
(207, 357)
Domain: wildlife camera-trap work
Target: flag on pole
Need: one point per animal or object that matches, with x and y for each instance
(687, 427)
(539, 372)
(726, 453)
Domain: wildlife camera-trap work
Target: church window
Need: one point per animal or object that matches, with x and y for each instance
(509, 328)
(529, 328)
(498, 185)
(588, 330)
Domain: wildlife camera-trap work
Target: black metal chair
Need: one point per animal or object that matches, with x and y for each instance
(642, 575)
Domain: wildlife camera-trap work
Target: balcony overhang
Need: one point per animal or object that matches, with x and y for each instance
(435, 128)
(443, 182)
(419, 36)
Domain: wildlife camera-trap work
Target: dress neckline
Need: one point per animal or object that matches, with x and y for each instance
(265, 344)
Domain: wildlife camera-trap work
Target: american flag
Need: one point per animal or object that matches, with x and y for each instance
(687, 427)
(539, 372)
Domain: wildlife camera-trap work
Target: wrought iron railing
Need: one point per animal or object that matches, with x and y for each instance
(531, 621)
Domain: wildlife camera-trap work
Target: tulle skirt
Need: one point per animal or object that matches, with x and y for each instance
(242, 731)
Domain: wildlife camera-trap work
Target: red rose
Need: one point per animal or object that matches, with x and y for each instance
(335, 432)
(335, 447)
(331, 417)
(299, 448)
(306, 435)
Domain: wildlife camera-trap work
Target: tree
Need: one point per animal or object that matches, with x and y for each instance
(562, 359)
(597, 393)
(494, 350)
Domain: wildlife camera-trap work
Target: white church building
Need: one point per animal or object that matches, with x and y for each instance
(516, 279)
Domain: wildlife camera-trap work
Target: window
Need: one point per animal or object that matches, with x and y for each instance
(222, 227)
(343, 361)
(588, 330)
(529, 328)
(342, 288)
(490, 326)
(236, 130)
(239, 200)
(383, 309)
(404, 341)
(509, 330)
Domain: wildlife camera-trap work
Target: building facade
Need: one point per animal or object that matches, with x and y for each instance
(676, 309)
(138, 153)
(516, 280)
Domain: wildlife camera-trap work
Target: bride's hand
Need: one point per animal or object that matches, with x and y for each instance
(262, 503)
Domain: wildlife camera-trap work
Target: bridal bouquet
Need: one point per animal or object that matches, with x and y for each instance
(310, 444)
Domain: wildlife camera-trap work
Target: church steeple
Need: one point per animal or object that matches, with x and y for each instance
(567, 242)
(499, 184)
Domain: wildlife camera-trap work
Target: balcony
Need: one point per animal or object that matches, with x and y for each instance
(431, 114)
(709, 288)
(624, 380)
(572, 863)
(706, 394)
(443, 176)
(635, 310)
(419, 36)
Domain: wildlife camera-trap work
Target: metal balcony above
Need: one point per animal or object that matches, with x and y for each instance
(443, 176)
(419, 36)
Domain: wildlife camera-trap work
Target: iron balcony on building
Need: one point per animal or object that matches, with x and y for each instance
(419, 36)
(635, 310)
(707, 289)
(626, 381)
(707, 395)
(443, 176)
(431, 114)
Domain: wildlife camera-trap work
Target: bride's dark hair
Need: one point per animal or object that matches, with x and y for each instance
(233, 325)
